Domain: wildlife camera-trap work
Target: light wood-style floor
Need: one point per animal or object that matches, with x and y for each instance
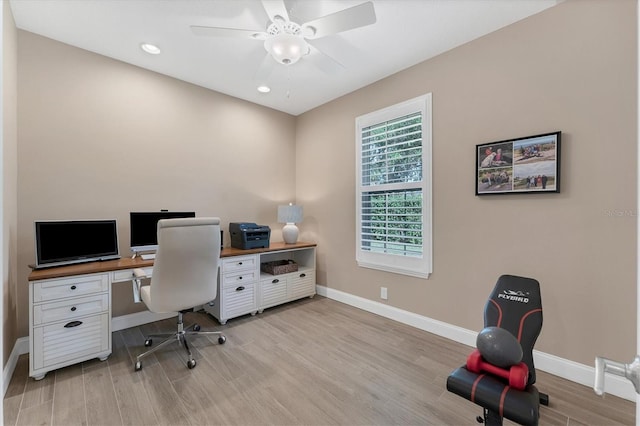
(312, 362)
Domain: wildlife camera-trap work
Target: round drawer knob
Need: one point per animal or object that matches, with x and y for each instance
(73, 309)
(73, 287)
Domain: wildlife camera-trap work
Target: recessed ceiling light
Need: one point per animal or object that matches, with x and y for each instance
(150, 48)
(264, 89)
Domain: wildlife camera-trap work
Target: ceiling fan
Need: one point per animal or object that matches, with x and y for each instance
(287, 41)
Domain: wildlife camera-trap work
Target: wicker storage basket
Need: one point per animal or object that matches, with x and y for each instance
(278, 267)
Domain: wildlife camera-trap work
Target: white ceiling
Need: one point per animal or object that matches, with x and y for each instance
(406, 32)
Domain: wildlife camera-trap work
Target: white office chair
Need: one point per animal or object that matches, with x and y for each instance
(185, 274)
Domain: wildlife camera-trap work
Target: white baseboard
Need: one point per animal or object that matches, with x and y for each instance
(570, 370)
(20, 347)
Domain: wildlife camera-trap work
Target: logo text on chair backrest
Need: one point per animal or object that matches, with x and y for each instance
(515, 296)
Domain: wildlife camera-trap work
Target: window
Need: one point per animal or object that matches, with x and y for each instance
(393, 188)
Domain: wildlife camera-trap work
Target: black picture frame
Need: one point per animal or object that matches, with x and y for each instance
(525, 165)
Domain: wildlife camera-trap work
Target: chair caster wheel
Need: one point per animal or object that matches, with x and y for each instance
(148, 342)
(222, 339)
(191, 364)
(196, 327)
(138, 366)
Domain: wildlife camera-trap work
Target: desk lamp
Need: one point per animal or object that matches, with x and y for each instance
(290, 215)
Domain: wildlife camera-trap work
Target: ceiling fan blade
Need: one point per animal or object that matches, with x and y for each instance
(323, 61)
(344, 20)
(275, 9)
(227, 32)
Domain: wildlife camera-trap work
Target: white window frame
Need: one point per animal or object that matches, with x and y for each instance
(416, 266)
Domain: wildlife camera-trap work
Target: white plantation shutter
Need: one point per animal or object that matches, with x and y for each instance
(393, 202)
(392, 222)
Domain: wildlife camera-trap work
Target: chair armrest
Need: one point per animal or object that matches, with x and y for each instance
(136, 283)
(139, 273)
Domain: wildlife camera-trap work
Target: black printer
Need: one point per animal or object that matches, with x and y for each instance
(247, 235)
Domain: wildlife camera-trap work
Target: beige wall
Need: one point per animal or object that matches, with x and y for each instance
(9, 179)
(571, 68)
(100, 138)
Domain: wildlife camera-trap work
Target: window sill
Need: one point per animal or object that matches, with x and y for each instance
(400, 271)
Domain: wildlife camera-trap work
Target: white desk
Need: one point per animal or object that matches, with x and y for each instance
(70, 306)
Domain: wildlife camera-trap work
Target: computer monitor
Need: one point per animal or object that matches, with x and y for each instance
(144, 228)
(64, 242)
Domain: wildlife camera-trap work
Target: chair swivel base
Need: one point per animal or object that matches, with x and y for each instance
(180, 336)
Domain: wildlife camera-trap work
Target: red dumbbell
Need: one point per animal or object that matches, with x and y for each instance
(517, 374)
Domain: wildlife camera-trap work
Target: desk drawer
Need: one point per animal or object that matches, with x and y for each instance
(239, 300)
(302, 285)
(273, 291)
(127, 274)
(54, 344)
(66, 310)
(69, 287)
(240, 278)
(239, 263)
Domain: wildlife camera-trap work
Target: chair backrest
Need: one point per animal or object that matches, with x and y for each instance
(185, 270)
(515, 305)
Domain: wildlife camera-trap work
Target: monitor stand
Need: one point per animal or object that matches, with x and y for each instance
(144, 256)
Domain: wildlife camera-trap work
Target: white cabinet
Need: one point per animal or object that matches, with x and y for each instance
(69, 321)
(237, 288)
(243, 289)
(282, 288)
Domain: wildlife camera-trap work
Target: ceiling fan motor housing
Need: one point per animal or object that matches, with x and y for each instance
(285, 42)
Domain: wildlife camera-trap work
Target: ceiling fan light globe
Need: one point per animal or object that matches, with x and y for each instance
(286, 49)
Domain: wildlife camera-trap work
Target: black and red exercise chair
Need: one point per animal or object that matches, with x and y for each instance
(499, 375)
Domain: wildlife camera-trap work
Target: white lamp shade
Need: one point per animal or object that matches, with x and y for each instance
(289, 214)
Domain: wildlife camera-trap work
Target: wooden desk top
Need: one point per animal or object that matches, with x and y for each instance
(138, 262)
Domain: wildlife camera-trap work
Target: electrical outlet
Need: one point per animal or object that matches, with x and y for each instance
(383, 293)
